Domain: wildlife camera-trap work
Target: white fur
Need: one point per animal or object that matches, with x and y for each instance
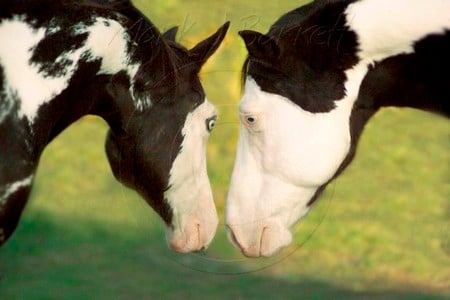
(32, 88)
(14, 187)
(281, 161)
(189, 194)
(108, 40)
(288, 153)
(22, 80)
(390, 27)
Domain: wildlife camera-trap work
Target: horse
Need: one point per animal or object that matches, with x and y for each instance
(61, 60)
(309, 87)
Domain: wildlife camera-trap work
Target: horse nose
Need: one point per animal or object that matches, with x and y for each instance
(236, 237)
(261, 240)
(194, 236)
(187, 240)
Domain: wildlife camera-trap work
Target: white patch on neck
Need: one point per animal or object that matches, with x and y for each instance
(22, 81)
(25, 83)
(14, 187)
(386, 27)
(108, 40)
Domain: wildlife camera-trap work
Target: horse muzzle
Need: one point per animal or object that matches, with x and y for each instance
(192, 234)
(258, 239)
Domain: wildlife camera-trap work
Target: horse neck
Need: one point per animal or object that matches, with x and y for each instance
(75, 102)
(405, 53)
(403, 58)
(82, 88)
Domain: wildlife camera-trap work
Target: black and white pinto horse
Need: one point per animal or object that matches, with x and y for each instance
(61, 60)
(311, 84)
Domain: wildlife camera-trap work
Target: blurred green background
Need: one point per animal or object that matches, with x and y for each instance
(381, 231)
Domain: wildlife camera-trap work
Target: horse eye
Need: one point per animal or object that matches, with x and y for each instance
(251, 120)
(210, 123)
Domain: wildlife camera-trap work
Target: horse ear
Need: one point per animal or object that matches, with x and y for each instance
(170, 34)
(260, 46)
(203, 50)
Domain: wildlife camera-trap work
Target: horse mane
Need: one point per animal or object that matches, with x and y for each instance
(102, 4)
(166, 50)
(292, 21)
(244, 72)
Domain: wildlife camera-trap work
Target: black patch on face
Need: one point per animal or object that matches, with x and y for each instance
(141, 154)
(315, 49)
(168, 76)
(144, 161)
(53, 46)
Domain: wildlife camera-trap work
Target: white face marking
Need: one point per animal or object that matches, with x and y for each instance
(189, 194)
(14, 187)
(284, 154)
(25, 83)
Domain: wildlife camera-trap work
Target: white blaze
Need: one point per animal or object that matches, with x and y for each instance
(281, 161)
(189, 195)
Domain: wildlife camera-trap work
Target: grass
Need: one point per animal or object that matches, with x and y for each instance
(381, 231)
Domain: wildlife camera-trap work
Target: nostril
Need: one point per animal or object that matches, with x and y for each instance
(233, 237)
(199, 236)
(261, 241)
(203, 248)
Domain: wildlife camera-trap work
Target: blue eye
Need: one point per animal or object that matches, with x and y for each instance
(210, 123)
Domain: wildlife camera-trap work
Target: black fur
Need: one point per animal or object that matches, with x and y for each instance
(50, 48)
(304, 56)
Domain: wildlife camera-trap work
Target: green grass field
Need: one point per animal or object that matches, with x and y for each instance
(381, 231)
